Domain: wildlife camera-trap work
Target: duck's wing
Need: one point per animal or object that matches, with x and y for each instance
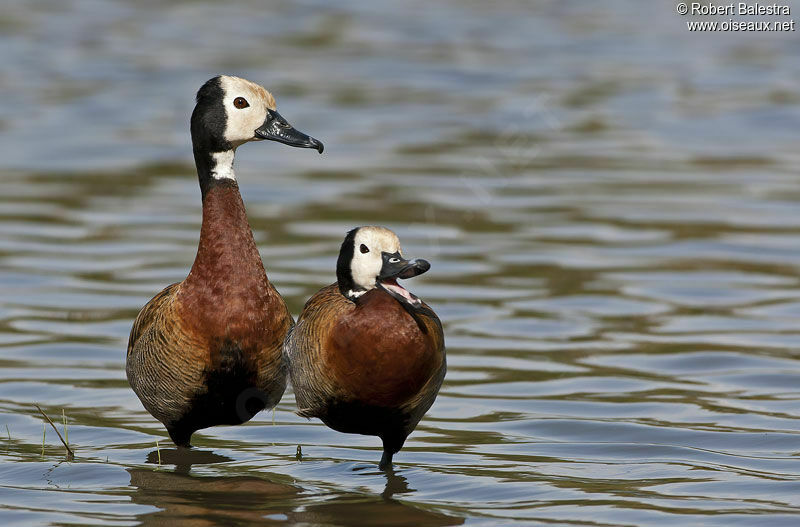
(431, 327)
(150, 313)
(303, 350)
(164, 364)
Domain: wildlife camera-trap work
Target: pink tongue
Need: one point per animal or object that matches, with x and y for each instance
(400, 291)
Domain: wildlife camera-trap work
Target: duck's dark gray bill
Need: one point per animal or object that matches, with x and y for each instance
(402, 268)
(275, 128)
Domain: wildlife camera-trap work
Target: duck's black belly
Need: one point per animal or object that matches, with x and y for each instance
(229, 395)
(360, 418)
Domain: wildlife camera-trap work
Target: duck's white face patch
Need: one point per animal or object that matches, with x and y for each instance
(242, 121)
(366, 266)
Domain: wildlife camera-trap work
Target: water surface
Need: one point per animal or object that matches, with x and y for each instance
(610, 206)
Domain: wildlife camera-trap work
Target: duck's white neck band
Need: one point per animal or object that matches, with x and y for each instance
(222, 165)
(351, 293)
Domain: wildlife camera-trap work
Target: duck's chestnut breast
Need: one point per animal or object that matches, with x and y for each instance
(378, 352)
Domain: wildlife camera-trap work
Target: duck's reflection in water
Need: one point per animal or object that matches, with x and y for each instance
(395, 484)
(183, 458)
(198, 501)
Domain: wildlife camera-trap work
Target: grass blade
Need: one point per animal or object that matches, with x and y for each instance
(70, 453)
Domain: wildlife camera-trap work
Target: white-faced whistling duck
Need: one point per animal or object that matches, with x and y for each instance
(207, 351)
(366, 355)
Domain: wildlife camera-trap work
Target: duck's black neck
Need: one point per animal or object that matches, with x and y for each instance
(204, 164)
(344, 273)
(212, 152)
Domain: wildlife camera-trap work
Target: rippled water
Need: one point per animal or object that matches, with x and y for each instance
(611, 207)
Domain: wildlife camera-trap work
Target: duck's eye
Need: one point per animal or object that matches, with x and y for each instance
(394, 260)
(364, 249)
(240, 102)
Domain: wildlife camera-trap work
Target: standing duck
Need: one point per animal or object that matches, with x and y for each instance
(366, 355)
(207, 351)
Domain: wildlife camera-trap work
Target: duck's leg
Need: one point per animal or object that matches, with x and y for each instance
(392, 443)
(386, 460)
